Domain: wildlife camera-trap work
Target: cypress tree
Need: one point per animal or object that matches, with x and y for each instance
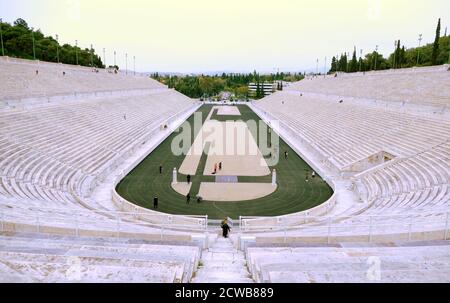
(397, 54)
(333, 65)
(436, 44)
(343, 63)
(361, 64)
(402, 56)
(347, 62)
(354, 62)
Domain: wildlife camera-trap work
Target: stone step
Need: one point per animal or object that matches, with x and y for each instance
(72, 240)
(221, 280)
(50, 259)
(61, 246)
(222, 245)
(66, 272)
(348, 257)
(106, 252)
(223, 263)
(227, 276)
(363, 266)
(221, 256)
(386, 276)
(131, 256)
(228, 269)
(223, 251)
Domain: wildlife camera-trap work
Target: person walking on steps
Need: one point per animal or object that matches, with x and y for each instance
(225, 228)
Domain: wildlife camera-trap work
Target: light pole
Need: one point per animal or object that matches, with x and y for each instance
(76, 51)
(126, 63)
(104, 57)
(115, 59)
(418, 49)
(325, 68)
(134, 65)
(1, 37)
(276, 69)
(317, 66)
(34, 50)
(57, 48)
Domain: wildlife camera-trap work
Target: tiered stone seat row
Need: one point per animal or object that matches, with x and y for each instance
(424, 86)
(394, 193)
(346, 133)
(30, 258)
(19, 80)
(349, 264)
(415, 183)
(52, 152)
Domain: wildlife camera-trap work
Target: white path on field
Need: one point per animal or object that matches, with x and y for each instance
(182, 187)
(194, 154)
(231, 143)
(227, 192)
(227, 110)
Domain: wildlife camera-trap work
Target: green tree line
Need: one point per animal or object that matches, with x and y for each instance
(435, 53)
(237, 84)
(21, 41)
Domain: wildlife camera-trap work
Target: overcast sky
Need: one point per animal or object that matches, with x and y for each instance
(231, 35)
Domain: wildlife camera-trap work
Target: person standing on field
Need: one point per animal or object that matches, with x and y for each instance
(155, 202)
(188, 198)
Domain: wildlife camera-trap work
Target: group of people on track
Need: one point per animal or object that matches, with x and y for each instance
(217, 166)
